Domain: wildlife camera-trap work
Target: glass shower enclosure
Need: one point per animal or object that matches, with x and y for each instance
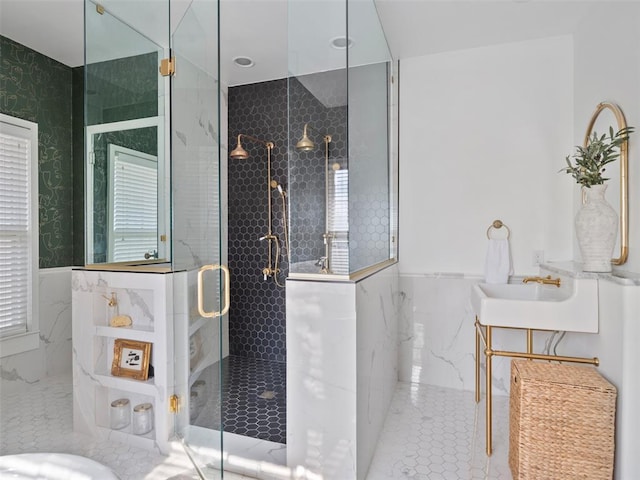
(154, 195)
(342, 99)
(152, 189)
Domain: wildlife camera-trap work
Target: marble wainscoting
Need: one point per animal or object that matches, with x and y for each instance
(436, 334)
(341, 371)
(53, 357)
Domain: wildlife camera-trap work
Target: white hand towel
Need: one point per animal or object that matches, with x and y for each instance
(497, 267)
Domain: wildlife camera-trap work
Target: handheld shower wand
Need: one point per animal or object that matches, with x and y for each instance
(285, 223)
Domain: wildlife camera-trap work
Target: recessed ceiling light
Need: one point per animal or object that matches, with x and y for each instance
(341, 42)
(244, 62)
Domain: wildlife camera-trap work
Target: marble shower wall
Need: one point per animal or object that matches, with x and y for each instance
(54, 355)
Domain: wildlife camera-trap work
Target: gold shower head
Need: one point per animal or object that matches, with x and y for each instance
(239, 153)
(305, 144)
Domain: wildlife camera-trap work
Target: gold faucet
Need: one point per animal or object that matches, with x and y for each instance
(543, 281)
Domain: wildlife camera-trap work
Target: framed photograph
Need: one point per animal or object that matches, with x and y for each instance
(131, 359)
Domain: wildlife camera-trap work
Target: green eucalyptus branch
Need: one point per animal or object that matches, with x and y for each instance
(590, 161)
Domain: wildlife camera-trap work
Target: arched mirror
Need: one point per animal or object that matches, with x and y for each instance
(608, 114)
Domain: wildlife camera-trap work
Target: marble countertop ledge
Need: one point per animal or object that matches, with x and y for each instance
(574, 270)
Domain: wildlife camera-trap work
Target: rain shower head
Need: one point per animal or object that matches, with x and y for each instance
(239, 153)
(305, 144)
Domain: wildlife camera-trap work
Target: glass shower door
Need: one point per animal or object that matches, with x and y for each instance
(201, 281)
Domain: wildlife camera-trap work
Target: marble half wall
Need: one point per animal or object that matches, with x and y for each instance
(341, 371)
(53, 357)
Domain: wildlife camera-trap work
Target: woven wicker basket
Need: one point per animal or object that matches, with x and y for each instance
(561, 422)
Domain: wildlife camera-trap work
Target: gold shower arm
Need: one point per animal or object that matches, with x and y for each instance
(269, 145)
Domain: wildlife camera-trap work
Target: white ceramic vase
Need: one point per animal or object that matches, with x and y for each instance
(596, 229)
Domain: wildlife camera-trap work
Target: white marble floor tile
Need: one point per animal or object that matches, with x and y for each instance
(39, 418)
(434, 433)
(430, 433)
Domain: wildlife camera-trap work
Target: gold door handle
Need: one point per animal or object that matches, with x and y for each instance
(227, 293)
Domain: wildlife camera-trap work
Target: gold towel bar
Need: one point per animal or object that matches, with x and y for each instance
(498, 224)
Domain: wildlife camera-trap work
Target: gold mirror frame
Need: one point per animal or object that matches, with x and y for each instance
(624, 177)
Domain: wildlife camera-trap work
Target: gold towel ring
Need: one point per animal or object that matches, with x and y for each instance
(498, 224)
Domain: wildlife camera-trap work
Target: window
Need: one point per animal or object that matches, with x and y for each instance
(18, 235)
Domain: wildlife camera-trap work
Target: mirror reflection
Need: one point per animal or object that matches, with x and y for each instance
(123, 183)
(126, 176)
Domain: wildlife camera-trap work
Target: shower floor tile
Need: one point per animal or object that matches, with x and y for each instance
(254, 399)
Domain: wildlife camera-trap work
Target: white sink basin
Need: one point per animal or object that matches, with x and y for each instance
(573, 307)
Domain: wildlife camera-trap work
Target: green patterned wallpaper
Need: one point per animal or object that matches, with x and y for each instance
(122, 89)
(78, 166)
(36, 88)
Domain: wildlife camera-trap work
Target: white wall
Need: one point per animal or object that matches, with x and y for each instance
(483, 134)
(607, 67)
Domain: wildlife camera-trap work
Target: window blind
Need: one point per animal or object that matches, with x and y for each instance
(16, 229)
(134, 207)
(338, 219)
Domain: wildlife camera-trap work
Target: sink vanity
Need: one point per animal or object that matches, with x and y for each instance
(572, 306)
(551, 303)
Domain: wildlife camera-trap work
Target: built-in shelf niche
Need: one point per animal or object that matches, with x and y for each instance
(106, 395)
(147, 298)
(103, 349)
(136, 303)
